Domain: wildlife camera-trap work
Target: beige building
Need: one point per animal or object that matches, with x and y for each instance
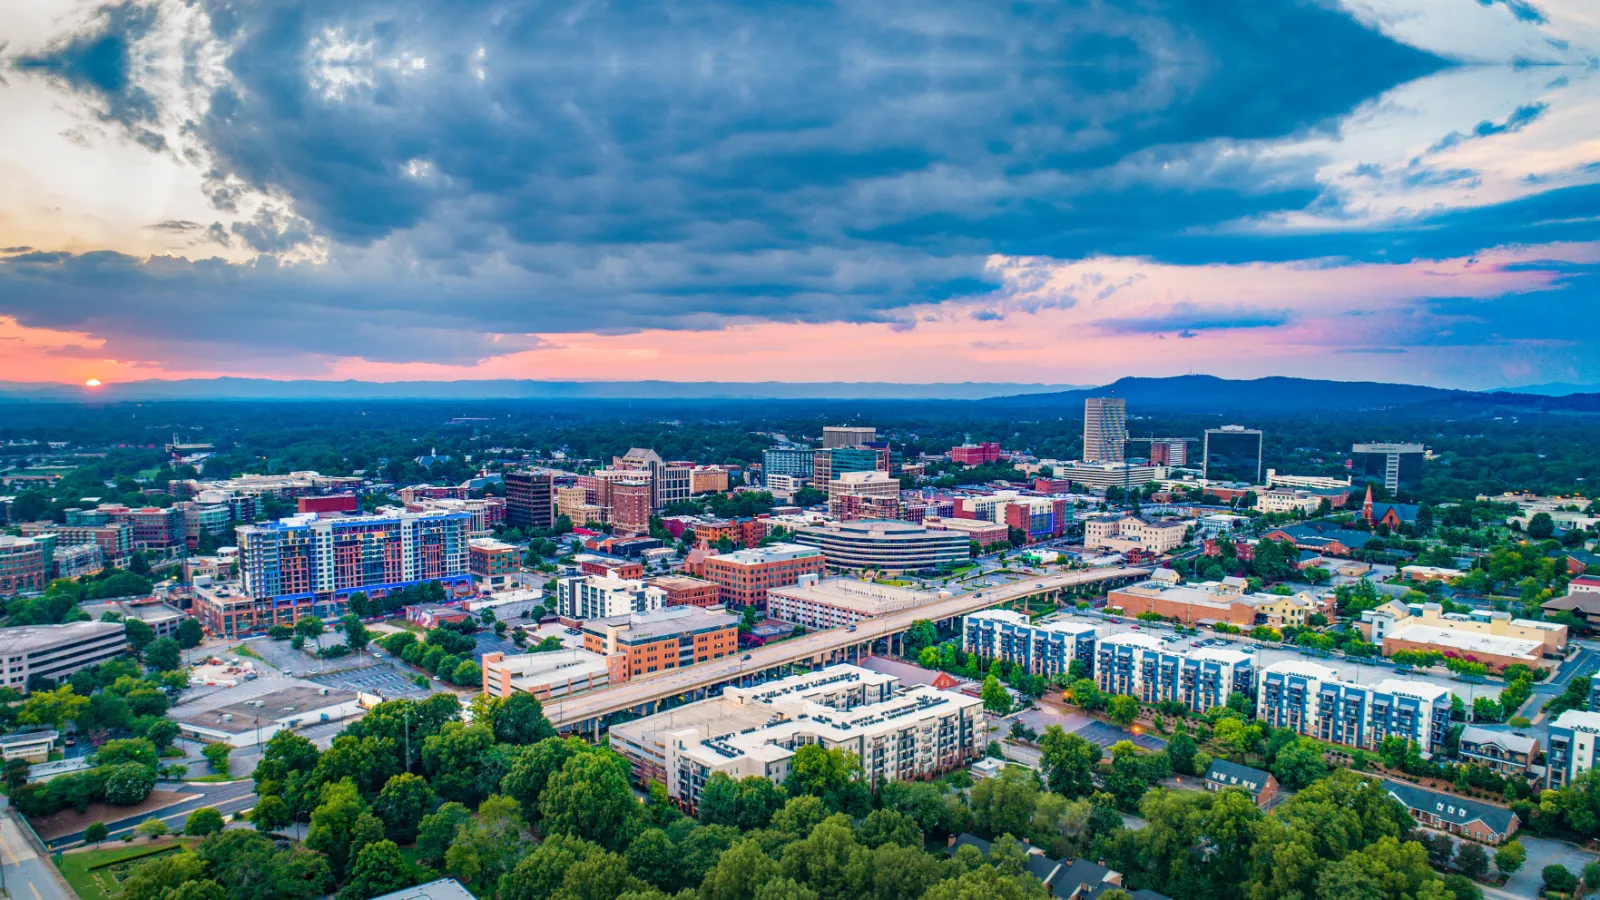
(1288, 501)
(914, 733)
(838, 602)
(708, 480)
(1124, 533)
(1379, 624)
(573, 503)
(550, 675)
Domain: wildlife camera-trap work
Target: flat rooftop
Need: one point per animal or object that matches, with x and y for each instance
(1469, 641)
(291, 701)
(29, 638)
(663, 622)
(855, 595)
(767, 554)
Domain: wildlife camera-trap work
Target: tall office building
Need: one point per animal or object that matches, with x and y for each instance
(669, 481)
(1233, 453)
(799, 464)
(847, 435)
(1397, 467)
(1169, 453)
(1105, 429)
(530, 500)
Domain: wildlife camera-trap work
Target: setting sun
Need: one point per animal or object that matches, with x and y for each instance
(93, 382)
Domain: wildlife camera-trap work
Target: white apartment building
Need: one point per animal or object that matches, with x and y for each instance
(1314, 482)
(1140, 665)
(1124, 533)
(1047, 649)
(898, 734)
(601, 596)
(784, 487)
(1311, 699)
(56, 651)
(1574, 740)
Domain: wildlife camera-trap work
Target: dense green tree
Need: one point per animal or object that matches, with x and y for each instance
(746, 804)
(451, 760)
(190, 634)
(995, 697)
(543, 871)
(379, 869)
(1068, 761)
(1510, 857)
(271, 814)
(216, 754)
(160, 878)
(886, 826)
(129, 783)
(486, 846)
(438, 829)
(254, 868)
(1299, 764)
(1004, 804)
(531, 771)
(832, 775)
(520, 719)
(1472, 860)
(139, 634)
(202, 822)
(333, 824)
(163, 655)
(402, 803)
(591, 798)
(1123, 710)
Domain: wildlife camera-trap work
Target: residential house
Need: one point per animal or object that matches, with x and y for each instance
(1261, 786)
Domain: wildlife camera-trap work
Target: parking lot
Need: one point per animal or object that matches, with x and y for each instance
(1103, 733)
(372, 677)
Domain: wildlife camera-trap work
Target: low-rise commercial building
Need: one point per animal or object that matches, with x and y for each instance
(1376, 625)
(56, 651)
(683, 590)
(664, 639)
(1191, 604)
(1124, 533)
(817, 603)
(1430, 573)
(1097, 476)
(983, 531)
(888, 546)
(551, 675)
(253, 722)
(583, 597)
(29, 746)
(161, 618)
(1138, 665)
(1047, 649)
(1475, 819)
(897, 734)
(492, 563)
(744, 576)
(1303, 502)
(1492, 650)
(1312, 700)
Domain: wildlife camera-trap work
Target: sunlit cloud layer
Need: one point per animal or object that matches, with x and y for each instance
(1402, 189)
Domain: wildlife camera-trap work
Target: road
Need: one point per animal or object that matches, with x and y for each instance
(813, 646)
(224, 798)
(28, 874)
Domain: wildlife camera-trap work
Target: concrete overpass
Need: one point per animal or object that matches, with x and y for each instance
(587, 713)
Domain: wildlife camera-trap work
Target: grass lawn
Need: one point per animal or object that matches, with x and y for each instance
(211, 779)
(242, 650)
(98, 874)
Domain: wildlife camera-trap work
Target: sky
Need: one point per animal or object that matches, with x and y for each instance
(797, 190)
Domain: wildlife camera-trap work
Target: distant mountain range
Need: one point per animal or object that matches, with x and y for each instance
(1554, 389)
(1203, 394)
(512, 389)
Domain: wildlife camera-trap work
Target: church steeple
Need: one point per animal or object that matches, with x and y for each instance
(1366, 506)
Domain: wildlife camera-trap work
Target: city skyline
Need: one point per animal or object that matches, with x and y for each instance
(1384, 190)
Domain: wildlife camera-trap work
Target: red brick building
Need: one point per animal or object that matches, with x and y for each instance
(743, 576)
(975, 454)
(331, 504)
(681, 590)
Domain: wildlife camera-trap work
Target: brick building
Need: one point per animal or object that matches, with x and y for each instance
(682, 590)
(743, 576)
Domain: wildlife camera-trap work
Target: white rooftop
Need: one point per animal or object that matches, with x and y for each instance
(770, 553)
(1418, 690)
(1134, 640)
(1217, 654)
(1470, 641)
(1303, 669)
(1579, 720)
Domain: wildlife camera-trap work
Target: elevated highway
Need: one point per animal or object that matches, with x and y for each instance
(588, 712)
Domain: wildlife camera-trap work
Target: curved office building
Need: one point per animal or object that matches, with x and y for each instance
(893, 545)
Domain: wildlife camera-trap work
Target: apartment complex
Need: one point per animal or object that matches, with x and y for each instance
(530, 499)
(890, 546)
(1574, 739)
(1506, 752)
(1039, 518)
(115, 540)
(795, 464)
(307, 556)
(1312, 700)
(584, 597)
(23, 567)
(663, 639)
(56, 651)
(898, 734)
(1125, 533)
(628, 504)
(744, 576)
(1139, 666)
(838, 602)
(1047, 649)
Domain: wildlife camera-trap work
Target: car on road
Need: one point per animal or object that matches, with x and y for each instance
(851, 628)
(745, 657)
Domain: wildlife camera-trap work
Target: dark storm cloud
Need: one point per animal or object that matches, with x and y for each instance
(512, 167)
